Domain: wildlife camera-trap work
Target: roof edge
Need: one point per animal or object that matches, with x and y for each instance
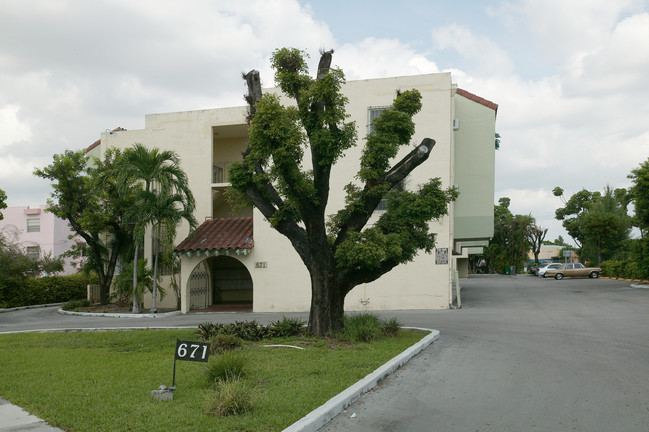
(478, 99)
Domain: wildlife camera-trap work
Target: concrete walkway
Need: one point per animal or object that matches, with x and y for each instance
(16, 419)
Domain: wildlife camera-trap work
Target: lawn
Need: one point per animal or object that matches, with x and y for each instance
(101, 381)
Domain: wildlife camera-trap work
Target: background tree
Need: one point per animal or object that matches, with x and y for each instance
(344, 252)
(572, 212)
(509, 245)
(535, 237)
(3, 202)
(598, 223)
(94, 207)
(639, 192)
(16, 265)
(605, 226)
(163, 201)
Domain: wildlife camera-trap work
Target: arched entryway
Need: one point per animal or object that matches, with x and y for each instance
(231, 283)
(220, 283)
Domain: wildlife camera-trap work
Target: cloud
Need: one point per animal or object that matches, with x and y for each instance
(380, 58)
(620, 64)
(481, 53)
(13, 128)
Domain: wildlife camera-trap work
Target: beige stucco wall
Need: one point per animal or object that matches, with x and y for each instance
(474, 169)
(282, 283)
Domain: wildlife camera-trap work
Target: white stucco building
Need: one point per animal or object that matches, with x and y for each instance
(244, 261)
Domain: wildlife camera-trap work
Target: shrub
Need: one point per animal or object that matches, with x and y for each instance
(286, 327)
(46, 290)
(363, 327)
(391, 327)
(76, 304)
(229, 365)
(223, 342)
(229, 397)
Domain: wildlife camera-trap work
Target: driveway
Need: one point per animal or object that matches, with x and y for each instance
(523, 354)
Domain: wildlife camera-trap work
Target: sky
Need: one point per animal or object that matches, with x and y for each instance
(571, 78)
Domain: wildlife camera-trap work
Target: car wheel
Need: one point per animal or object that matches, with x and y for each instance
(593, 275)
(545, 275)
(558, 276)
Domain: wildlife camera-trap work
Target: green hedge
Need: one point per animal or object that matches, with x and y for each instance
(628, 269)
(35, 291)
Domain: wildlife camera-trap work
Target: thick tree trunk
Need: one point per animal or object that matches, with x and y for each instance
(327, 305)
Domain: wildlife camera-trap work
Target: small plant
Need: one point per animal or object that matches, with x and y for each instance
(247, 330)
(229, 397)
(75, 305)
(208, 330)
(363, 327)
(391, 327)
(229, 365)
(223, 342)
(286, 327)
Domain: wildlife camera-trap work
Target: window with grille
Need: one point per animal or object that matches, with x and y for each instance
(372, 114)
(33, 252)
(383, 204)
(33, 225)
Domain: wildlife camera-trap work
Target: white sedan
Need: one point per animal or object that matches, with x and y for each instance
(552, 266)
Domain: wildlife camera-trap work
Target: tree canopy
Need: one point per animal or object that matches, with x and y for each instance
(286, 170)
(3, 202)
(511, 240)
(94, 205)
(598, 223)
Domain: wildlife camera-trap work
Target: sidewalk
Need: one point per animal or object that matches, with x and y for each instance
(16, 419)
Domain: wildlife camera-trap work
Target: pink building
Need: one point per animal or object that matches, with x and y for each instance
(38, 232)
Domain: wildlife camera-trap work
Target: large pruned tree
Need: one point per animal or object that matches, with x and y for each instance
(94, 206)
(345, 251)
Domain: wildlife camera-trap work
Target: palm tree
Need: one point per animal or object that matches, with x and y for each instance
(164, 200)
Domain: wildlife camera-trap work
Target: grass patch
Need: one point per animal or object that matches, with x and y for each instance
(101, 381)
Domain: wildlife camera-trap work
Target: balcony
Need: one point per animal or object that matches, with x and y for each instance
(220, 172)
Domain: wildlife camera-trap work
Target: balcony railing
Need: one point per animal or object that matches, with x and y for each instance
(220, 172)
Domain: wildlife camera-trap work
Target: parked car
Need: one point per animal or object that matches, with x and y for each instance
(574, 270)
(533, 269)
(544, 270)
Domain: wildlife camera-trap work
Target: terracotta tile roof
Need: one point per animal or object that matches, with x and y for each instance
(96, 143)
(477, 99)
(228, 234)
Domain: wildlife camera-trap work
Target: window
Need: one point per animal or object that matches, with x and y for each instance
(373, 114)
(33, 252)
(383, 204)
(33, 225)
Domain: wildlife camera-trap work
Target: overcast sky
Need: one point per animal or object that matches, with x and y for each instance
(571, 77)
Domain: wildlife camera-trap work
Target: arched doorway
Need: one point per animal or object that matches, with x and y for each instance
(231, 284)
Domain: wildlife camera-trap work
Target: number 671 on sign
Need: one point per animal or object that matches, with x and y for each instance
(192, 351)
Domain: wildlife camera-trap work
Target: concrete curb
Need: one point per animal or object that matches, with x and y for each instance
(29, 307)
(337, 404)
(119, 315)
